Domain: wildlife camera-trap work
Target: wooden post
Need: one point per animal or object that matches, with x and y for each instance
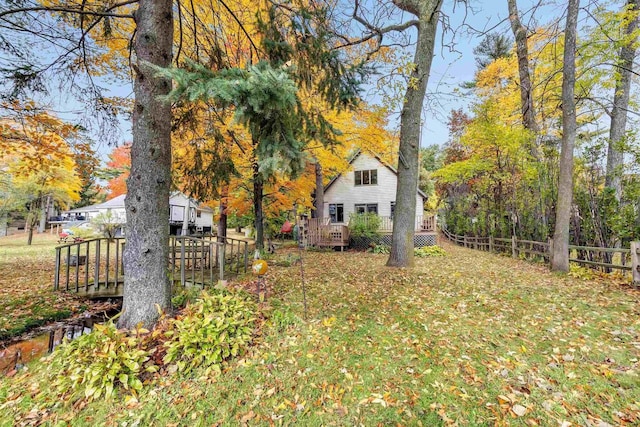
(491, 244)
(96, 273)
(211, 261)
(635, 262)
(246, 256)
(221, 256)
(464, 241)
(514, 247)
(182, 263)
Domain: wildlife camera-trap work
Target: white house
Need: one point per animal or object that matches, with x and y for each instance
(369, 186)
(199, 217)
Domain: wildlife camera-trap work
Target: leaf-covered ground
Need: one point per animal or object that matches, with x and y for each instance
(468, 339)
(27, 299)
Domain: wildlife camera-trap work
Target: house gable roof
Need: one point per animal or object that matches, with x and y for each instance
(382, 162)
(115, 203)
(118, 203)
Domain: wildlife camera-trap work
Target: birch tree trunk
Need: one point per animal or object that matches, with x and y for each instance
(427, 11)
(560, 261)
(146, 251)
(522, 52)
(3, 224)
(618, 128)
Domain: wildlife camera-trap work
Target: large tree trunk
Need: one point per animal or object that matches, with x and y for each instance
(258, 222)
(560, 261)
(401, 254)
(615, 155)
(30, 224)
(146, 251)
(522, 52)
(44, 214)
(318, 202)
(32, 218)
(222, 221)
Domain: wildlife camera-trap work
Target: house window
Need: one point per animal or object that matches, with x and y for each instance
(393, 209)
(198, 214)
(367, 208)
(336, 212)
(368, 177)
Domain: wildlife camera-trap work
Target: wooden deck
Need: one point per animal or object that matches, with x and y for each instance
(321, 233)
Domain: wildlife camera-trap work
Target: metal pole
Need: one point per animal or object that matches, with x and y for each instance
(635, 262)
(56, 280)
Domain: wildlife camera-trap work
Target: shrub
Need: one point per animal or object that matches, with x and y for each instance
(184, 295)
(427, 251)
(216, 327)
(108, 224)
(381, 249)
(580, 272)
(364, 225)
(95, 364)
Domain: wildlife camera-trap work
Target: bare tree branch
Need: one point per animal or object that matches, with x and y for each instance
(81, 11)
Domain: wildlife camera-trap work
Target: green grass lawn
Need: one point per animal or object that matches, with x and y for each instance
(469, 339)
(26, 285)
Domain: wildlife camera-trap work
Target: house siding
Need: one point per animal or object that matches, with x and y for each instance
(177, 202)
(205, 220)
(343, 190)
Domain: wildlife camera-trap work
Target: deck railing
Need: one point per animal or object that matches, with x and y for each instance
(94, 263)
(199, 260)
(333, 235)
(95, 268)
(322, 233)
(425, 223)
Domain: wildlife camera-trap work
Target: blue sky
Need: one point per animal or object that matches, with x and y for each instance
(452, 65)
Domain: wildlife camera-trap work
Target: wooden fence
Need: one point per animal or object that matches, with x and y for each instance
(94, 268)
(605, 259)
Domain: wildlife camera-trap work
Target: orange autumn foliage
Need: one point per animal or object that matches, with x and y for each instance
(119, 165)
